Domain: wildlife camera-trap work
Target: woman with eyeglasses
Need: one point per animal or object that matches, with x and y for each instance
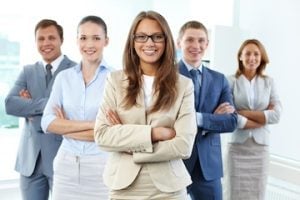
(147, 119)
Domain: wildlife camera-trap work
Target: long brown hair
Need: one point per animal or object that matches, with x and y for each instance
(166, 75)
(264, 58)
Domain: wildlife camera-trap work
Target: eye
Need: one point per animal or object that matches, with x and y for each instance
(141, 37)
(190, 40)
(97, 38)
(52, 38)
(40, 39)
(82, 38)
(158, 37)
(202, 41)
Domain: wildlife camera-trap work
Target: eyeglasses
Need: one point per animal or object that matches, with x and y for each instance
(142, 38)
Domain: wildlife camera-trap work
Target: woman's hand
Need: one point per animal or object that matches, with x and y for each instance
(162, 134)
(112, 117)
(59, 112)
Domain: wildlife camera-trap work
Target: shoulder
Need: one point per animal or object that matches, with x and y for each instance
(213, 72)
(231, 78)
(184, 82)
(267, 80)
(32, 66)
(69, 72)
(69, 61)
(115, 77)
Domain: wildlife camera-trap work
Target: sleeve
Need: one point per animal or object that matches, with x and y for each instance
(20, 107)
(241, 121)
(180, 147)
(273, 116)
(55, 100)
(220, 123)
(119, 138)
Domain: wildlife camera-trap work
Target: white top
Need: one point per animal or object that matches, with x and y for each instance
(148, 89)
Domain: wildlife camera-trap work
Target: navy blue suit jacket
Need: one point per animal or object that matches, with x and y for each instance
(214, 91)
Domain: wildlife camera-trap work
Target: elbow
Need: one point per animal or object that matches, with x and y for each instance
(9, 107)
(187, 147)
(275, 119)
(234, 123)
(98, 138)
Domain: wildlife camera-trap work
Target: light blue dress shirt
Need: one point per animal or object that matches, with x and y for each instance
(79, 102)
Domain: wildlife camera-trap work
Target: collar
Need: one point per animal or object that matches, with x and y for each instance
(54, 63)
(190, 67)
(102, 66)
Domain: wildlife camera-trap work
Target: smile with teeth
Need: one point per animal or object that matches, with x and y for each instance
(89, 52)
(149, 52)
(47, 50)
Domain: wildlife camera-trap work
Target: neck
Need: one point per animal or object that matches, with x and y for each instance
(249, 74)
(194, 64)
(149, 70)
(88, 70)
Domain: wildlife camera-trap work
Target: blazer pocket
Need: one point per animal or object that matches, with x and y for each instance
(178, 167)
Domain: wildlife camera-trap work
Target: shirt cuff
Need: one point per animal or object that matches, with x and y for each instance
(241, 122)
(199, 119)
(266, 113)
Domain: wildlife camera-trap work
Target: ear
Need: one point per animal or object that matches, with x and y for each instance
(178, 46)
(106, 41)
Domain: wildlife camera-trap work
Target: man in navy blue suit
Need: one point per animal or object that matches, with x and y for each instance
(215, 113)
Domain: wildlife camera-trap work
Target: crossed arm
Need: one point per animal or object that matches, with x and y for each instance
(157, 133)
(75, 129)
(255, 119)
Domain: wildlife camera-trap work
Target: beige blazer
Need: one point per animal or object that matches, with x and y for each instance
(163, 159)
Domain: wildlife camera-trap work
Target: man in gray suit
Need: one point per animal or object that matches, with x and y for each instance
(27, 99)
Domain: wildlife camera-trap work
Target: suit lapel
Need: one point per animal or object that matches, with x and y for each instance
(41, 74)
(183, 69)
(242, 88)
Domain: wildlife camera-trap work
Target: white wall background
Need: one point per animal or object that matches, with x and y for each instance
(275, 23)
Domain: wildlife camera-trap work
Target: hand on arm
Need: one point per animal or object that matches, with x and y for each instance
(224, 108)
(162, 134)
(25, 94)
(112, 117)
(81, 130)
(253, 115)
(157, 134)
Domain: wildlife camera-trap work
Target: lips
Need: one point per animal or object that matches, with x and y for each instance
(48, 50)
(89, 52)
(149, 52)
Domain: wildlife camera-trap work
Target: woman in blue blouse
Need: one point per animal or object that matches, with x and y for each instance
(71, 112)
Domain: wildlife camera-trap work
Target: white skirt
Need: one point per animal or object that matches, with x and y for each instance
(248, 167)
(78, 177)
(144, 189)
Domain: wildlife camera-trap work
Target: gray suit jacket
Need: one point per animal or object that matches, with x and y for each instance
(265, 93)
(33, 141)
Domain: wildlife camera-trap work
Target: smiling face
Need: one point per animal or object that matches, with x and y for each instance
(91, 40)
(193, 44)
(250, 57)
(149, 52)
(48, 43)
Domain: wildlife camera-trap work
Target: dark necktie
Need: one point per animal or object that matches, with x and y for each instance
(197, 87)
(49, 74)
